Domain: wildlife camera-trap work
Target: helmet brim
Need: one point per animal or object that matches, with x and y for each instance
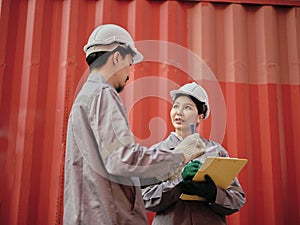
(176, 92)
(138, 57)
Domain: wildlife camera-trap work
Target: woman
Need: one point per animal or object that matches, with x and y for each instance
(190, 107)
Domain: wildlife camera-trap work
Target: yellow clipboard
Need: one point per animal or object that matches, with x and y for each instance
(221, 170)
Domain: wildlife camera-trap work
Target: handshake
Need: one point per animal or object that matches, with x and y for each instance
(191, 147)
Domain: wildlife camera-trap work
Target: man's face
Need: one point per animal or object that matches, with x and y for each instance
(123, 71)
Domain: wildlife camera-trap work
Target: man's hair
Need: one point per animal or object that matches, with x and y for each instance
(201, 107)
(98, 59)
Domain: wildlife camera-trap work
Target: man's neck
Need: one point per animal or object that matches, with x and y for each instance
(106, 72)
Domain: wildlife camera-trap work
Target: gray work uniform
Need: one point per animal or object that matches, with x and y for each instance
(103, 163)
(164, 198)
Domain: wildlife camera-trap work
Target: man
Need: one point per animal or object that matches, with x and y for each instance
(103, 163)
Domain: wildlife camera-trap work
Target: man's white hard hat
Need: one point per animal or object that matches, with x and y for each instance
(195, 90)
(107, 37)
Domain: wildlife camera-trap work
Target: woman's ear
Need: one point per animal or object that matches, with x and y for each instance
(200, 118)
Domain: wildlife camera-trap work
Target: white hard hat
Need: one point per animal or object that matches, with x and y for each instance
(109, 36)
(195, 90)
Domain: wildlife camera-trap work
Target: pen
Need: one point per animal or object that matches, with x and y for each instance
(192, 127)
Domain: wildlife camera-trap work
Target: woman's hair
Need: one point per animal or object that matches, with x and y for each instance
(201, 107)
(98, 59)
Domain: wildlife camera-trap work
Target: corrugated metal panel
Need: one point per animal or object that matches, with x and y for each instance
(249, 56)
(256, 2)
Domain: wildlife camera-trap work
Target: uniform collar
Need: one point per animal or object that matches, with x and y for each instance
(178, 136)
(96, 77)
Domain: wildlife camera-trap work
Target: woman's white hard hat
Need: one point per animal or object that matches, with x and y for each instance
(195, 90)
(109, 36)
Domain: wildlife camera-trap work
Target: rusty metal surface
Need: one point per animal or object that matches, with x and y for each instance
(249, 58)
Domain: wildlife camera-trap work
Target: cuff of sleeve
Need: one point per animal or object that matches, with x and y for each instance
(221, 195)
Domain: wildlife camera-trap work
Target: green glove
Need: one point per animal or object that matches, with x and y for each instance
(206, 189)
(190, 170)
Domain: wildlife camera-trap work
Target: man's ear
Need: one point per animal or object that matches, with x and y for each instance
(116, 57)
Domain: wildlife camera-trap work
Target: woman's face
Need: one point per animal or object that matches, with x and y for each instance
(183, 113)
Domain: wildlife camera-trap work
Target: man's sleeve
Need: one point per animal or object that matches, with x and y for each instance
(120, 155)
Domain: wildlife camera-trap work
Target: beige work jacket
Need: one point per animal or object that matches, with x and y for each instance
(103, 163)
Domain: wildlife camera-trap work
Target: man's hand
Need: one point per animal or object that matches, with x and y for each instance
(191, 147)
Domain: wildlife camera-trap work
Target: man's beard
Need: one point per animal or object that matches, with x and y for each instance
(120, 88)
